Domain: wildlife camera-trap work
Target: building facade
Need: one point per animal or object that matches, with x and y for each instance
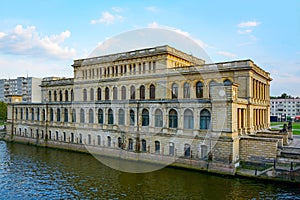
(27, 87)
(285, 109)
(156, 101)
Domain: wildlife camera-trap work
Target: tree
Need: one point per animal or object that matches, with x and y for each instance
(284, 95)
(3, 111)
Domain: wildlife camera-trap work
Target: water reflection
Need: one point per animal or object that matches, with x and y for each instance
(28, 172)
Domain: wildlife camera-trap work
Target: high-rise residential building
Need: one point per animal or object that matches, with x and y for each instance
(284, 109)
(27, 87)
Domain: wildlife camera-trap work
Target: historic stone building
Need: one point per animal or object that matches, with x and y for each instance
(157, 101)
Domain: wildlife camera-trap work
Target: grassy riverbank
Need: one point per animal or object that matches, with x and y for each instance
(279, 125)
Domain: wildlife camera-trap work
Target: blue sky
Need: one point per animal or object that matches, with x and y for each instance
(41, 38)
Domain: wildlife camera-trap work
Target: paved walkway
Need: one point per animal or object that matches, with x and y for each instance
(279, 126)
(296, 142)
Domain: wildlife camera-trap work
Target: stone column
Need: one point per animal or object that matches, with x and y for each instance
(254, 88)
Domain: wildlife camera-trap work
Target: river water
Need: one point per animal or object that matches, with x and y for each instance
(28, 172)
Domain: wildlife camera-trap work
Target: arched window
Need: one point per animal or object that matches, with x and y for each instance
(130, 144)
(187, 150)
(145, 117)
(115, 93)
(121, 117)
(152, 91)
(60, 96)
(120, 142)
(186, 90)
(142, 92)
(158, 118)
(227, 82)
(57, 136)
(188, 119)
(32, 114)
(144, 145)
(157, 146)
(80, 138)
(82, 116)
(38, 114)
(66, 95)
(91, 116)
(66, 115)
(27, 114)
(108, 141)
(72, 95)
(132, 92)
(58, 115)
(99, 94)
(131, 113)
(50, 96)
(204, 119)
(123, 91)
(100, 116)
(211, 84)
(84, 95)
(92, 94)
(51, 115)
(110, 116)
(72, 138)
(199, 90)
(106, 93)
(55, 96)
(73, 115)
(43, 115)
(174, 91)
(173, 119)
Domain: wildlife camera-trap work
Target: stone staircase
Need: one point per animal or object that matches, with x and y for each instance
(290, 152)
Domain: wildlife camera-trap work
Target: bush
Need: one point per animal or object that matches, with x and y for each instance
(3, 111)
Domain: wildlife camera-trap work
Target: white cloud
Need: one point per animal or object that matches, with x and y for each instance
(153, 25)
(27, 41)
(251, 40)
(283, 81)
(246, 28)
(201, 43)
(117, 9)
(107, 18)
(248, 24)
(227, 54)
(247, 31)
(2, 35)
(156, 25)
(184, 33)
(151, 9)
(33, 66)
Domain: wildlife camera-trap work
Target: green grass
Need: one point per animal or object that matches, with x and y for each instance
(2, 123)
(296, 125)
